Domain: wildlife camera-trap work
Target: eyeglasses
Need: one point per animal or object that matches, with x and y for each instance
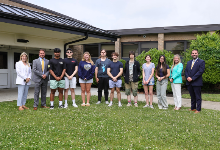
(69, 52)
(103, 52)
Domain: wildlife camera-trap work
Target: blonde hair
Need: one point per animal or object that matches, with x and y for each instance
(26, 56)
(173, 60)
(90, 60)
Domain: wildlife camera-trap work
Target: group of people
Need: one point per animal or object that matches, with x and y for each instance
(108, 75)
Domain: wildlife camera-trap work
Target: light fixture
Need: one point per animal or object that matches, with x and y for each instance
(22, 40)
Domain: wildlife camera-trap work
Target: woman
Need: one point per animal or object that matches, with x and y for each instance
(23, 70)
(162, 75)
(86, 73)
(176, 80)
(148, 80)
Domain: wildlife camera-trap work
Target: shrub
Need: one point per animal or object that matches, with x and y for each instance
(208, 46)
(122, 77)
(155, 54)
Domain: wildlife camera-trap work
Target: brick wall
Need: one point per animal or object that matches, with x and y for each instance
(134, 38)
(77, 52)
(22, 6)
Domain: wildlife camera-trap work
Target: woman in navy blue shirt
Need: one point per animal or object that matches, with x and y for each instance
(86, 74)
(162, 75)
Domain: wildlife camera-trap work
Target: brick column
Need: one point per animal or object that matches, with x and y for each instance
(118, 47)
(161, 41)
(77, 52)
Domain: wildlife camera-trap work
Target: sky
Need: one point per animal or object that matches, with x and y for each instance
(128, 14)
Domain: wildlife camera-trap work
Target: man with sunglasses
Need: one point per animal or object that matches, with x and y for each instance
(70, 78)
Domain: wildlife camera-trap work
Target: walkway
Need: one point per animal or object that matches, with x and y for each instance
(11, 94)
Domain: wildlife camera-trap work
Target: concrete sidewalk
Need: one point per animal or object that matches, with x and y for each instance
(11, 94)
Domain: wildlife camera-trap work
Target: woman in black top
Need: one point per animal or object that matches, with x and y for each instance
(162, 75)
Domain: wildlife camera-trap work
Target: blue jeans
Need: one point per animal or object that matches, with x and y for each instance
(22, 94)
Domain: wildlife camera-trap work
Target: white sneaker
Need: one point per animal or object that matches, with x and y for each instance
(66, 106)
(119, 105)
(146, 106)
(74, 105)
(106, 102)
(136, 105)
(165, 108)
(151, 106)
(110, 105)
(129, 104)
(98, 102)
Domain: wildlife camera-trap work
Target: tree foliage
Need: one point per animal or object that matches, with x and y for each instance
(155, 54)
(208, 46)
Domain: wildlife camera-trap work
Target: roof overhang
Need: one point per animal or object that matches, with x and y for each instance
(172, 29)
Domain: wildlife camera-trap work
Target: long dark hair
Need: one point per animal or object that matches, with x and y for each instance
(164, 66)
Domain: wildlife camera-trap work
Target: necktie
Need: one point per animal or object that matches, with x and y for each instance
(42, 65)
(192, 64)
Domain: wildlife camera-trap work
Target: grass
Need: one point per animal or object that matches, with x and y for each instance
(102, 127)
(206, 97)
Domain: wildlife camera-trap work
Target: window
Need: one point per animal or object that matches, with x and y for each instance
(126, 47)
(175, 47)
(3, 60)
(146, 46)
(35, 56)
(92, 49)
(16, 58)
(109, 49)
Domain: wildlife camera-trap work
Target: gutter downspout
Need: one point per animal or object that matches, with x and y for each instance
(86, 37)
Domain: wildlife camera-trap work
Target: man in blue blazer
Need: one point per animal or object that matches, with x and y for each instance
(193, 73)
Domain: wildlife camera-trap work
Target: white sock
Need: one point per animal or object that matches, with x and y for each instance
(119, 102)
(51, 103)
(74, 101)
(65, 102)
(110, 102)
(60, 103)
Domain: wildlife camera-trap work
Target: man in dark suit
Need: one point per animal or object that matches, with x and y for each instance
(40, 77)
(193, 73)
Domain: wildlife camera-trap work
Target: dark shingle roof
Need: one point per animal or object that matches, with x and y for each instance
(17, 13)
(171, 29)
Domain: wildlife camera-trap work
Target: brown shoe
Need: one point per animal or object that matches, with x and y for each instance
(20, 108)
(192, 110)
(35, 108)
(25, 107)
(44, 107)
(196, 112)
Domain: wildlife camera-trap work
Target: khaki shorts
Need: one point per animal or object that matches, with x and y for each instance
(133, 86)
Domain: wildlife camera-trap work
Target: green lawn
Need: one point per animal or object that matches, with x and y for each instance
(206, 97)
(102, 127)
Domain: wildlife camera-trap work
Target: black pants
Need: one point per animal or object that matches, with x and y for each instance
(103, 84)
(195, 93)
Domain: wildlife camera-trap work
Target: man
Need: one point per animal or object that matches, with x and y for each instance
(57, 69)
(193, 72)
(101, 76)
(131, 73)
(70, 78)
(114, 71)
(40, 77)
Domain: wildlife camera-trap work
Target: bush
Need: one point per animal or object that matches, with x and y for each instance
(208, 46)
(155, 54)
(122, 77)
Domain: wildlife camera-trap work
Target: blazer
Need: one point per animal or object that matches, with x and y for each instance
(21, 73)
(37, 70)
(136, 71)
(176, 74)
(195, 73)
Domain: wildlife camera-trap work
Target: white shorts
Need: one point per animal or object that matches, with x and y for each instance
(70, 83)
(85, 81)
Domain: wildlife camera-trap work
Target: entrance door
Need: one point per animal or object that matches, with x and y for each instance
(4, 71)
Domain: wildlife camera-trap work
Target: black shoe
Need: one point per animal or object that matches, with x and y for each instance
(51, 107)
(61, 106)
